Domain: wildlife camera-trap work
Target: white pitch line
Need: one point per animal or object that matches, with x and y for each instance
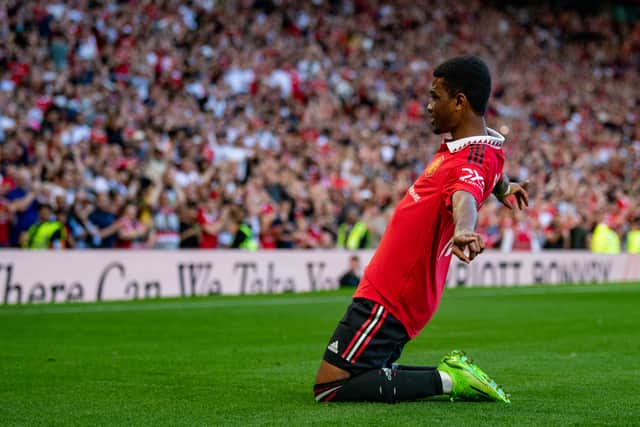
(283, 301)
(169, 305)
(550, 290)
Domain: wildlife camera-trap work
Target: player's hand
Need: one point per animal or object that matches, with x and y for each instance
(466, 245)
(519, 191)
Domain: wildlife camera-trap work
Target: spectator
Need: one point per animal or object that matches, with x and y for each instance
(190, 231)
(211, 221)
(351, 278)
(132, 234)
(577, 233)
(283, 227)
(5, 216)
(605, 240)
(243, 235)
(306, 235)
(166, 224)
(322, 112)
(268, 227)
(80, 231)
(24, 204)
(46, 233)
(554, 238)
(353, 234)
(633, 237)
(103, 222)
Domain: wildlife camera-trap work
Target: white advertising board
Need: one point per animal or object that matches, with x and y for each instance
(545, 267)
(50, 276)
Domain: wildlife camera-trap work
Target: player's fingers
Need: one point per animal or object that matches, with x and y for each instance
(474, 246)
(462, 239)
(524, 199)
(523, 202)
(460, 254)
(480, 249)
(518, 201)
(523, 191)
(507, 203)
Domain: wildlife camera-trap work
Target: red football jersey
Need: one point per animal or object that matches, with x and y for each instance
(408, 271)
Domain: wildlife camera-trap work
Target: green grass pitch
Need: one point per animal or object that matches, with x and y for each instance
(567, 355)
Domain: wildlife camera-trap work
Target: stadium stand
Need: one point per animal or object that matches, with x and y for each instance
(260, 124)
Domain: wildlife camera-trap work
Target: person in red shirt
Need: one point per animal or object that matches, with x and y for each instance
(211, 223)
(401, 287)
(132, 234)
(5, 216)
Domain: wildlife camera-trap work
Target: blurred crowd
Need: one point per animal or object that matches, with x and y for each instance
(285, 124)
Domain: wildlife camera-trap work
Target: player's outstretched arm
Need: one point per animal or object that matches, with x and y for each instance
(467, 244)
(504, 189)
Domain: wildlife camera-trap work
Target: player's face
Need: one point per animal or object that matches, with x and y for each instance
(441, 108)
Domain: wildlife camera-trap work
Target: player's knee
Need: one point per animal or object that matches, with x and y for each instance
(329, 380)
(329, 373)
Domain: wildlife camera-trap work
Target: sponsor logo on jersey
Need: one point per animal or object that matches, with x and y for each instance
(433, 166)
(414, 195)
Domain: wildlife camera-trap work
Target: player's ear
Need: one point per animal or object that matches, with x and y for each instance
(461, 101)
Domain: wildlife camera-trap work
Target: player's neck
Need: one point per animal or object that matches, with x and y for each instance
(472, 127)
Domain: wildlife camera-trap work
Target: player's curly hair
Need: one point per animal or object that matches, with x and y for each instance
(470, 76)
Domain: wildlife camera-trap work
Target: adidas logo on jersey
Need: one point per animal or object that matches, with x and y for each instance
(333, 347)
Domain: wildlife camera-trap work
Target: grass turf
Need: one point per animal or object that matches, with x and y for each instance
(568, 356)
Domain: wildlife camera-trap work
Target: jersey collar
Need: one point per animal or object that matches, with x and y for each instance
(493, 139)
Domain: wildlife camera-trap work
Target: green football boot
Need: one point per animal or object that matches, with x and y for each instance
(469, 381)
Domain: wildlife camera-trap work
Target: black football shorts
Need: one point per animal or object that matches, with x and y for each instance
(367, 337)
